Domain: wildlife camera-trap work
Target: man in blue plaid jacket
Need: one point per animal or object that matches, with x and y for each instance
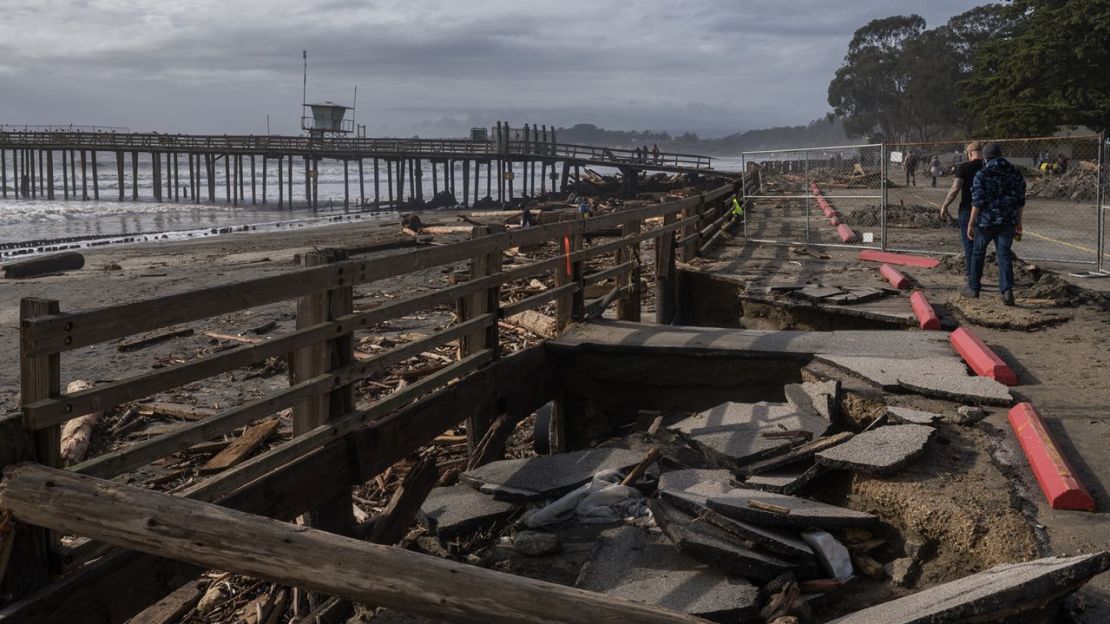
(997, 201)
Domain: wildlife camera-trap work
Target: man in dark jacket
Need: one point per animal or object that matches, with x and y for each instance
(997, 201)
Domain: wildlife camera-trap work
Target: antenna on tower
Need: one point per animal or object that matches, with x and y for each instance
(304, 85)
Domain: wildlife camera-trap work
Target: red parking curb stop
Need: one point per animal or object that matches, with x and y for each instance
(1054, 475)
(874, 255)
(980, 358)
(894, 276)
(923, 310)
(846, 233)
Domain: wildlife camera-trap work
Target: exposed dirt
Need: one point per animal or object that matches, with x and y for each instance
(988, 311)
(918, 216)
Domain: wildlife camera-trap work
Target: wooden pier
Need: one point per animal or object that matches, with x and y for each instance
(236, 169)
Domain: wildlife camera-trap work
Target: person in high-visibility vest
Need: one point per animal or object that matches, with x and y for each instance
(737, 209)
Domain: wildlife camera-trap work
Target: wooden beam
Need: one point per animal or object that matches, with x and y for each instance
(122, 583)
(225, 539)
(390, 526)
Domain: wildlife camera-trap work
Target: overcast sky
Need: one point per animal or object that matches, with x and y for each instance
(430, 67)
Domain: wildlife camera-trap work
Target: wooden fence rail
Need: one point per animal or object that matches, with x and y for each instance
(322, 368)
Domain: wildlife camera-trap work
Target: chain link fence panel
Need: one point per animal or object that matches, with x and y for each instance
(815, 196)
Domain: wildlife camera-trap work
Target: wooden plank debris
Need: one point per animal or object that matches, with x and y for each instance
(153, 339)
(241, 447)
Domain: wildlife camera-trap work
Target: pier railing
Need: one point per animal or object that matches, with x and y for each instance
(336, 443)
(341, 146)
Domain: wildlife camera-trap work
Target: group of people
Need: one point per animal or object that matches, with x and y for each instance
(911, 162)
(992, 199)
(641, 155)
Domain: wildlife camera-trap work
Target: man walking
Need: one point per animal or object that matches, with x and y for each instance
(911, 168)
(997, 202)
(961, 187)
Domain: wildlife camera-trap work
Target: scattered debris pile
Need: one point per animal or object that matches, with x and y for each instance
(1078, 184)
(900, 216)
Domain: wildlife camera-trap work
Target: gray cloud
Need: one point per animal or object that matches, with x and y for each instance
(429, 67)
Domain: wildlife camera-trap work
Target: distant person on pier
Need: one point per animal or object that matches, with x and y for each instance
(584, 206)
(636, 155)
(961, 187)
(934, 169)
(997, 203)
(655, 153)
(526, 218)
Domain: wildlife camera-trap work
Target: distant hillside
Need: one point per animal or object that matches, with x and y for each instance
(815, 134)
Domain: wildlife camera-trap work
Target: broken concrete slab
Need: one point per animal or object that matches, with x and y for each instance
(880, 451)
(460, 510)
(911, 416)
(786, 511)
(813, 396)
(780, 542)
(816, 293)
(547, 476)
(629, 563)
(628, 336)
(714, 546)
(786, 480)
(1000, 592)
(797, 454)
(940, 377)
(697, 481)
(833, 556)
(735, 434)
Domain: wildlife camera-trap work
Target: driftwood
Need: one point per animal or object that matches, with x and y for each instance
(176, 410)
(535, 322)
(43, 265)
(146, 341)
(220, 538)
(77, 433)
(390, 526)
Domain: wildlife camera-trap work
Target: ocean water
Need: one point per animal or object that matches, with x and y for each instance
(30, 226)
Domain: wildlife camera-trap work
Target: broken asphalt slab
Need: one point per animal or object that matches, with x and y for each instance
(547, 476)
(1001, 592)
(797, 454)
(813, 396)
(712, 545)
(786, 480)
(912, 416)
(938, 377)
(460, 510)
(629, 563)
(698, 481)
(880, 451)
(778, 541)
(735, 434)
(780, 510)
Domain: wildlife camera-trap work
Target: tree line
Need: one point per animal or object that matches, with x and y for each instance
(827, 131)
(1019, 68)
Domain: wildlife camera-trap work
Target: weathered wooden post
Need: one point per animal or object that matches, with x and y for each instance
(665, 272)
(96, 179)
(361, 185)
(628, 304)
(346, 185)
(4, 172)
(377, 186)
(314, 360)
(689, 249)
(134, 176)
(32, 560)
(289, 180)
(254, 180)
(470, 306)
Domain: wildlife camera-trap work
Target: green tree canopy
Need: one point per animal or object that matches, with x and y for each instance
(1047, 66)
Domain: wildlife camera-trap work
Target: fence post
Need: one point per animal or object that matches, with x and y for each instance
(628, 306)
(690, 248)
(1100, 201)
(476, 304)
(308, 362)
(569, 306)
(883, 160)
(32, 559)
(665, 270)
